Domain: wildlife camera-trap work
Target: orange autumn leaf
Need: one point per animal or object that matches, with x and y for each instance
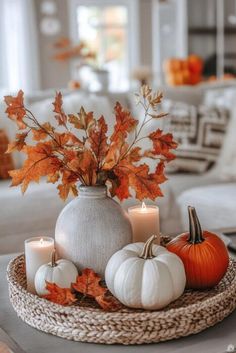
(120, 185)
(98, 140)
(84, 163)
(58, 295)
(163, 144)
(125, 123)
(108, 302)
(65, 189)
(42, 133)
(82, 120)
(89, 156)
(18, 144)
(88, 284)
(144, 184)
(15, 108)
(60, 116)
(40, 162)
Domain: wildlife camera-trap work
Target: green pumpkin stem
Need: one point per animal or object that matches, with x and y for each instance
(195, 230)
(147, 249)
(53, 258)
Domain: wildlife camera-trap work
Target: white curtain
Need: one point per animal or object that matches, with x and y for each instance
(18, 46)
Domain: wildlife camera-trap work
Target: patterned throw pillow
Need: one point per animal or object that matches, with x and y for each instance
(6, 161)
(200, 132)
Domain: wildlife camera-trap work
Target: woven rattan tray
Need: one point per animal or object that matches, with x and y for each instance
(193, 312)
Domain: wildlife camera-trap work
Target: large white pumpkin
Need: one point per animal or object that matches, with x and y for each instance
(145, 276)
(61, 272)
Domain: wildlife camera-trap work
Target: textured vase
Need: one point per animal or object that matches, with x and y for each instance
(91, 228)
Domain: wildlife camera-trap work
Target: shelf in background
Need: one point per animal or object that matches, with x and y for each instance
(210, 30)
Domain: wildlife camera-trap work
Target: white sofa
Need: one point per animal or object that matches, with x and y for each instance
(36, 212)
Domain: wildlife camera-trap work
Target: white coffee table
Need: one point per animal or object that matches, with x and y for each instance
(213, 340)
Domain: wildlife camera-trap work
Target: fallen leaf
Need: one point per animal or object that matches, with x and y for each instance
(108, 302)
(58, 295)
(88, 284)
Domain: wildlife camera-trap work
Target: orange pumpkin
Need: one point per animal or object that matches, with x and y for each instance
(195, 64)
(194, 79)
(203, 253)
(172, 65)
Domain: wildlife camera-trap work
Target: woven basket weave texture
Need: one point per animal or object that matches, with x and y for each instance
(193, 312)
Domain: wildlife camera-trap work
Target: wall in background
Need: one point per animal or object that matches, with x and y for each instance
(53, 74)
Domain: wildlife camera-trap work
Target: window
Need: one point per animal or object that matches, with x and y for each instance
(18, 62)
(106, 27)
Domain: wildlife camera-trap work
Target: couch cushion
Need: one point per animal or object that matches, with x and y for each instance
(215, 205)
(200, 133)
(28, 215)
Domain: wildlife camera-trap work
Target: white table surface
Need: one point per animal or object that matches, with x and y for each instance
(213, 340)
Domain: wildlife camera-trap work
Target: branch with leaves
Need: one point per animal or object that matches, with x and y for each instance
(84, 153)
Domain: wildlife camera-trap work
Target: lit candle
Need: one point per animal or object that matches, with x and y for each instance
(38, 251)
(145, 222)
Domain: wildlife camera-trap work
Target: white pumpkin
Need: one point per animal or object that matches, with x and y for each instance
(145, 276)
(61, 272)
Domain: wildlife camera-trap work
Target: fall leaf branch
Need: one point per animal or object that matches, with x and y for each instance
(97, 159)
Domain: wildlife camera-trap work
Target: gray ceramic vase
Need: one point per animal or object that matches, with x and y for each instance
(91, 228)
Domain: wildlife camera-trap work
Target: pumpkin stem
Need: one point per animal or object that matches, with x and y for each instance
(147, 249)
(195, 230)
(53, 258)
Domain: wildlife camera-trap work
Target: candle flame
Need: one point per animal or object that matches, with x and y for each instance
(144, 205)
(41, 241)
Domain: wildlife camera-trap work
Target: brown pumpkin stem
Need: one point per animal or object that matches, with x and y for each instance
(53, 258)
(147, 249)
(195, 230)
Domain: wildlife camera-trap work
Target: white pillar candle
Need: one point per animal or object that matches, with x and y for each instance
(145, 222)
(38, 252)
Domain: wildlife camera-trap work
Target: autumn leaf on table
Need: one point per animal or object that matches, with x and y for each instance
(108, 302)
(15, 108)
(88, 284)
(58, 295)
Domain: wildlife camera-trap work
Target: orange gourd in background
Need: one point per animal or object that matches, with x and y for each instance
(183, 71)
(195, 64)
(203, 253)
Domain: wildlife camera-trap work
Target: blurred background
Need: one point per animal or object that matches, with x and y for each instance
(112, 44)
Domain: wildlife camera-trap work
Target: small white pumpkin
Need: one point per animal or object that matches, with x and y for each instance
(61, 272)
(145, 276)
